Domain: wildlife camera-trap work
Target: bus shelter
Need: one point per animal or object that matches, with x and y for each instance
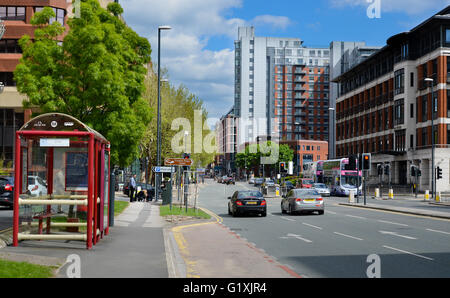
(61, 191)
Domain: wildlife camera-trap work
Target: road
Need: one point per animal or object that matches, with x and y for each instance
(344, 242)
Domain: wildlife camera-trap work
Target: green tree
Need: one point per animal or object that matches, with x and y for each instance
(96, 74)
(176, 102)
(275, 153)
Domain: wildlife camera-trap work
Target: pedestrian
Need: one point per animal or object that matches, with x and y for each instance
(132, 188)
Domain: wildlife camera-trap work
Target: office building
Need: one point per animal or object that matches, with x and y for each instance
(281, 88)
(385, 104)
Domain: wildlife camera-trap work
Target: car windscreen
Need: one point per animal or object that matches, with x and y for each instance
(31, 180)
(319, 185)
(246, 194)
(306, 192)
(6, 180)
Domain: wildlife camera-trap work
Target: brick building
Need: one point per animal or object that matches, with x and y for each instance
(17, 15)
(384, 104)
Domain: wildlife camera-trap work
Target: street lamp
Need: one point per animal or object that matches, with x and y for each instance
(158, 149)
(433, 107)
(331, 137)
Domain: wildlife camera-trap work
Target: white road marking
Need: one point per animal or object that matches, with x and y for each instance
(407, 252)
(285, 218)
(331, 212)
(437, 231)
(356, 238)
(299, 237)
(312, 226)
(393, 223)
(360, 217)
(398, 235)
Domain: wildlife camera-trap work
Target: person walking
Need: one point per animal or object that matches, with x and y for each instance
(133, 188)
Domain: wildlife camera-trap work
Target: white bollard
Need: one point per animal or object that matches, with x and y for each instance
(438, 197)
(377, 193)
(391, 194)
(351, 196)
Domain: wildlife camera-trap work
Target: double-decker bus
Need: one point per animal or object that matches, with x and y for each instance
(339, 178)
(314, 170)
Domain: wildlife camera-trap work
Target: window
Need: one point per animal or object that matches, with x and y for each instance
(399, 112)
(424, 136)
(59, 14)
(424, 109)
(12, 13)
(399, 81)
(411, 79)
(10, 46)
(411, 110)
(7, 78)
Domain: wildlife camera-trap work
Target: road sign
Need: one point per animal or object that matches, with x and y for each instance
(178, 162)
(164, 169)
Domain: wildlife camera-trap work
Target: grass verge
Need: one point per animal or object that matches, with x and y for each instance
(119, 206)
(11, 269)
(176, 210)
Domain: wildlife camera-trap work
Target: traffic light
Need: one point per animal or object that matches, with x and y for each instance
(413, 171)
(387, 169)
(438, 173)
(352, 162)
(186, 155)
(380, 169)
(283, 167)
(366, 161)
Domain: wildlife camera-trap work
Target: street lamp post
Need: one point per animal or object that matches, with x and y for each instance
(331, 135)
(158, 149)
(433, 145)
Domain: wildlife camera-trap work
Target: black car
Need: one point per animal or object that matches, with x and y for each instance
(247, 201)
(6, 191)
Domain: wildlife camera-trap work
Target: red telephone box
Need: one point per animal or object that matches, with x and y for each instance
(61, 191)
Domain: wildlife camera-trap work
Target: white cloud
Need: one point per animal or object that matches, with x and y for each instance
(184, 49)
(411, 7)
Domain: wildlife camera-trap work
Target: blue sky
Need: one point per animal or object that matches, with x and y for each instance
(198, 51)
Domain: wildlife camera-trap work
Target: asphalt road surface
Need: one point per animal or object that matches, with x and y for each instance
(344, 242)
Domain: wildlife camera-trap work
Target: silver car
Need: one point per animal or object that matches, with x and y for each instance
(302, 200)
(322, 189)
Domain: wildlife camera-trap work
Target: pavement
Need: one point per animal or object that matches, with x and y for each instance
(143, 244)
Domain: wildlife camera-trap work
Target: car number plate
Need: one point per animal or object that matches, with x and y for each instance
(309, 200)
(251, 203)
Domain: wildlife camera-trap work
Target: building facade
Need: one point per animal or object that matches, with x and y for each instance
(281, 88)
(385, 104)
(343, 56)
(17, 15)
(226, 141)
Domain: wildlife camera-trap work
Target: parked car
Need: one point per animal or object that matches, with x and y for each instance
(36, 186)
(6, 191)
(126, 188)
(306, 183)
(302, 200)
(251, 181)
(247, 201)
(322, 189)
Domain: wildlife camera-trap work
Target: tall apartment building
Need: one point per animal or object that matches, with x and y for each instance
(281, 88)
(343, 56)
(385, 105)
(17, 15)
(226, 140)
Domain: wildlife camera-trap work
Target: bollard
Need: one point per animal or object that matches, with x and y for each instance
(438, 197)
(277, 191)
(351, 196)
(427, 195)
(391, 194)
(377, 193)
